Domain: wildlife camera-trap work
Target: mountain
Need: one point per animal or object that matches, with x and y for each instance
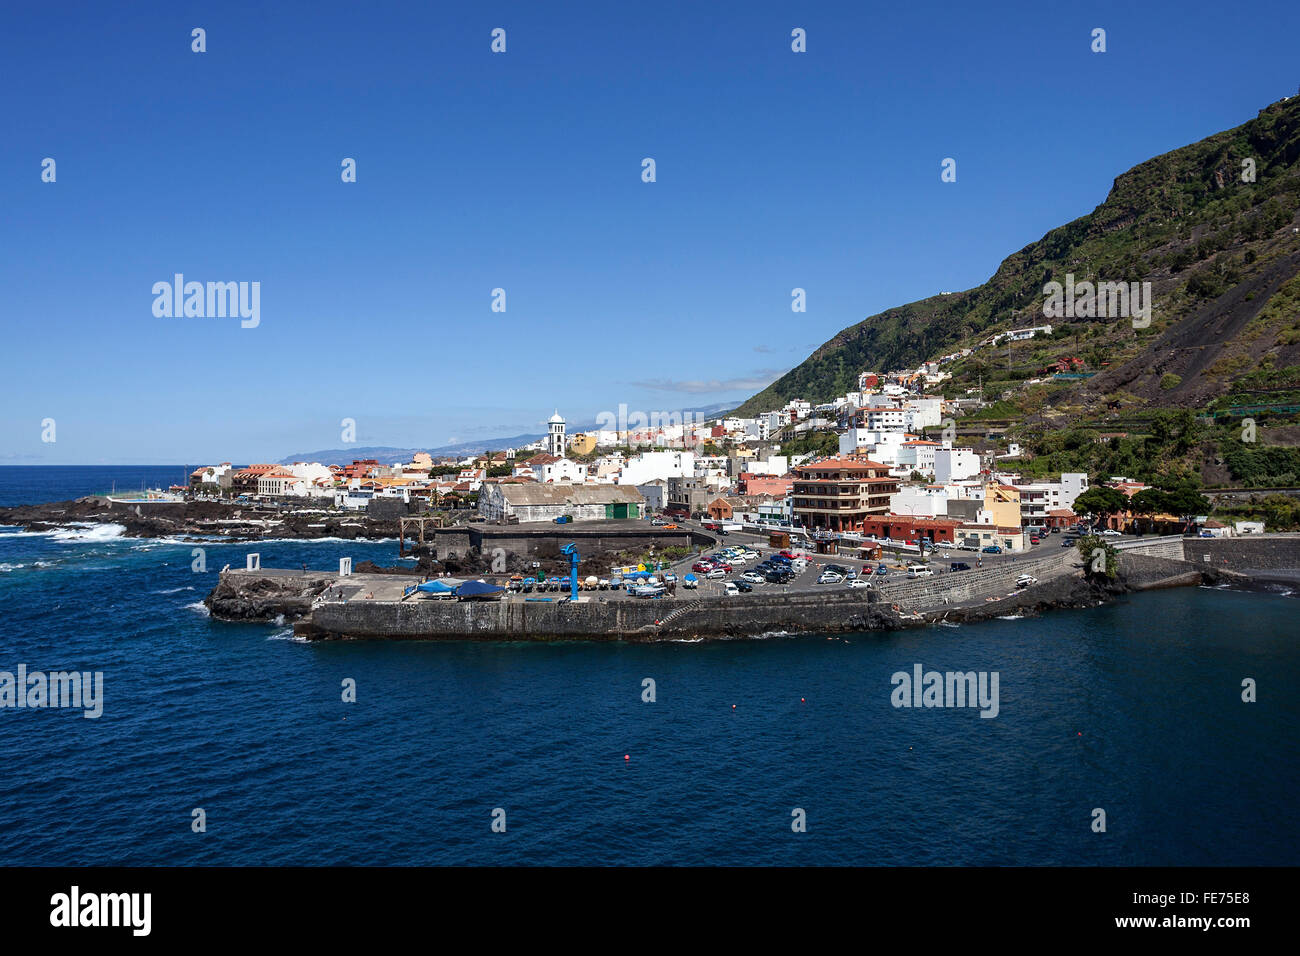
(1222, 256)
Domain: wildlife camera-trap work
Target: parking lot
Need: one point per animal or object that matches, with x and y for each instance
(939, 561)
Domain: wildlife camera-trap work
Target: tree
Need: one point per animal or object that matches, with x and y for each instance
(1100, 500)
(1099, 558)
(1149, 502)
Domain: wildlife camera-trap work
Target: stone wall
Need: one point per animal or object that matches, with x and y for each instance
(1250, 552)
(604, 620)
(954, 586)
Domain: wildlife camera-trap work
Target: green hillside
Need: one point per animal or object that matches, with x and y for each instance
(1222, 255)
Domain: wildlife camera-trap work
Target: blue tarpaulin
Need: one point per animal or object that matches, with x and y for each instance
(435, 587)
(477, 589)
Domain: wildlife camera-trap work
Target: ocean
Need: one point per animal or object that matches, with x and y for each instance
(1133, 708)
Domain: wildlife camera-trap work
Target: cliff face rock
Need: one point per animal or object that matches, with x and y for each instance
(264, 599)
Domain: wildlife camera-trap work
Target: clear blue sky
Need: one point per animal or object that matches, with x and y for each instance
(523, 171)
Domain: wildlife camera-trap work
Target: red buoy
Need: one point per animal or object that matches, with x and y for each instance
(626, 757)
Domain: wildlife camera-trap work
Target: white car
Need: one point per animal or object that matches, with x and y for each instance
(830, 577)
(730, 590)
(919, 571)
(1111, 533)
(860, 583)
(1026, 580)
(716, 573)
(752, 577)
(750, 555)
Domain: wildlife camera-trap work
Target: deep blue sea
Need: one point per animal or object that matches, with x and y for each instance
(1134, 708)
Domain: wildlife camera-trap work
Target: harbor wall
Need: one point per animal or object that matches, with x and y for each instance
(602, 620)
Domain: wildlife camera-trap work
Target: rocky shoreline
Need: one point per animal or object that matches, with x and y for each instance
(198, 520)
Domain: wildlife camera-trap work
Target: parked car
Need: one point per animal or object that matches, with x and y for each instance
(776, 577)
(702, 566)
(1111, 533)
(730, 590)
(882, 570)
(742, 586)
(992, 549)
(1025, 580)
(959, 566)
(919, 571)
(657, 522)
(715, 573)
(860, 583)
(753, 577)
(830, 577)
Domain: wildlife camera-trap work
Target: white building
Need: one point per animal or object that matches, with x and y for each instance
(652, 465)
(955, 464)
(534, 502)
(917, 455)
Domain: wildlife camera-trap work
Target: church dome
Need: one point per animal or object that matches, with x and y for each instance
(556, 419)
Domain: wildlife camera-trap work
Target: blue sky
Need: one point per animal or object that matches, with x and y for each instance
(522, 171)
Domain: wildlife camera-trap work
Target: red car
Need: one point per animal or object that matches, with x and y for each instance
(723, 565)
(702, 566)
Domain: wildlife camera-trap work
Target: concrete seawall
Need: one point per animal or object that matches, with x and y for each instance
(603, 620)
(952, 586)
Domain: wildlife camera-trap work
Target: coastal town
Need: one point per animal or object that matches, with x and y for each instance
(890, 460)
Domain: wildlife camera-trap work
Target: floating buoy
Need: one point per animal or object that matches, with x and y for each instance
(801, 700)
(627, 757)
(733, 706)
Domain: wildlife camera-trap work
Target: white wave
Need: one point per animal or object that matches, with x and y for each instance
(286, 634)
(172, 590)
(200, 607)
(7, 567)
(1011, 617)
(80, 531)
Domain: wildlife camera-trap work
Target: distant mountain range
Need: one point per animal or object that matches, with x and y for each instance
(388, 454)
